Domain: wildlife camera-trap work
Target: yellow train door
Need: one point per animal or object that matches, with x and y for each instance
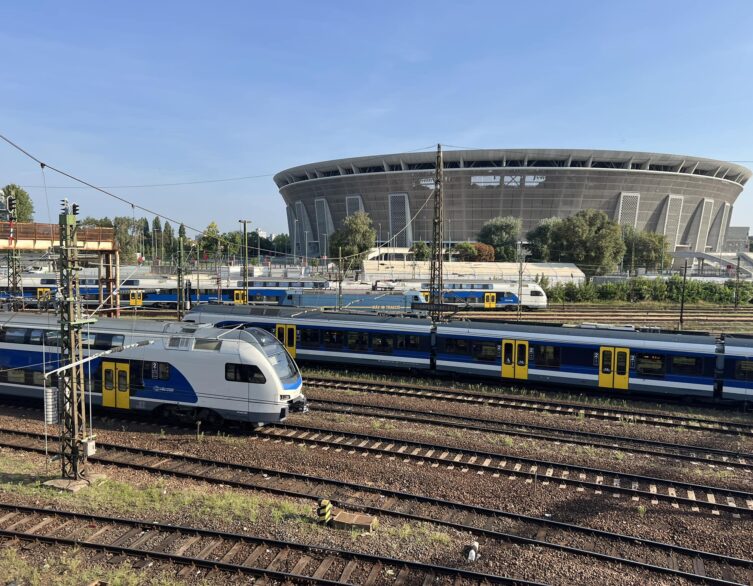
(240, 297)
(614, 367)
(123, 395)
(490, 300)
(515, 359)
(135, 298)
(108, 384)
(287, 335)
(43, 293)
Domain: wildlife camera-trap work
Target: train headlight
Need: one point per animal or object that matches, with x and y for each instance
(285, 397)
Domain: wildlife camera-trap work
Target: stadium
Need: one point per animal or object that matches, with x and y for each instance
(688, 199)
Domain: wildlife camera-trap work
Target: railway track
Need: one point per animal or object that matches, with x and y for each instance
(678, 452)
(653, 556)
(270, 561)
(696, 497)
(532, 404)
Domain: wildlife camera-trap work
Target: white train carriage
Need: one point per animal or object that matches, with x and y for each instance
(188, 371)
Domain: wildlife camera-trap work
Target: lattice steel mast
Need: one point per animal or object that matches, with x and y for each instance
(74, 439)
(14, 256)
(437, 252)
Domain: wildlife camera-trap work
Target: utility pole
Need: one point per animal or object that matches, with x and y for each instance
(436, 276)
(521, 257)
(245, 259)
(181, 280)
(339, 278)
(15, 292)
(76, 443)
(682, 295)
(737, 283)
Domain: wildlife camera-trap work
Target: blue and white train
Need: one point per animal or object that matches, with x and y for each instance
(475, 294)
(621, 359)
(189, 371)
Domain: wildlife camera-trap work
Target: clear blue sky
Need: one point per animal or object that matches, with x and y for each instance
(157, 92)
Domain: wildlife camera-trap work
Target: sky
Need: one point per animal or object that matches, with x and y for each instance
(145, 93)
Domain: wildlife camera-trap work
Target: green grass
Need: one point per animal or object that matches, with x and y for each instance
(72, 569)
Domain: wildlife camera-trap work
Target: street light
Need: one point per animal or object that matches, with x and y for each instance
(245, 258)
(306, 247)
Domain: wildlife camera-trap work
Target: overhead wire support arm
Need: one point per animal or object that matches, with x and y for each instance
(436, 285)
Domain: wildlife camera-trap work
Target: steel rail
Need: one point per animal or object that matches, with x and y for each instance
(497, 464)
(533, 404)
(744, 460)
(307, 491)
(374, 561)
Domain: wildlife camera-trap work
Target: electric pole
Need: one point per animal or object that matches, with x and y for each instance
(181, 280)
(737, 283)
(682, 295)
(339, 278)
(521, 257)
(245, 259)
(76, 443)
(436, 279)
(15, 293)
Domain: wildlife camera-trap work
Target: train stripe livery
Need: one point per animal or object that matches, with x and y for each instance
(617, 358)
(189, 371)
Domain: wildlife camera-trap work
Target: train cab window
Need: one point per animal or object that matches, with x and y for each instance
(535, 293)
(686, 365)
(382, 343)
(547, 356)
(308, 338)
(244, 373)
(649, 364)
(486, 351)
(35, 336)
(508, 353)
(333, 339)
(606, 362)
(14, 335)
(408, 342)
(358, 341)
(744, 370)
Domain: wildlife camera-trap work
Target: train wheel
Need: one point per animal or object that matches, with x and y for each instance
(209, 419)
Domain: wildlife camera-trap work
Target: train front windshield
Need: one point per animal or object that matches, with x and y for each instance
(273, 349)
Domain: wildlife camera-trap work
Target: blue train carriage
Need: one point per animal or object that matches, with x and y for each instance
(603, 357)
(360, 339)
(738, 367)
(471, 294)
(188, 372)
(394, 301)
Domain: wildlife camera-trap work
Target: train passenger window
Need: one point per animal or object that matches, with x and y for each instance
(164, 371)
(649, 364)
(382, 343)
(606, 362)
(52, 338)
(744, 370)
(547, 356)
(456, 346)
(486, 351)
(333, 338)
(508, 352)
(408, 342)
(137, 373)
(308, 338)
(621, 367)
(358, 341)
(686, 365)
(35, 336)
(244, 373)
(109, 381)
(156, 370)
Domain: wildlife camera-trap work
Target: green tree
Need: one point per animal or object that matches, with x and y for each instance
(466, 251)
(644, 249)
(24, 205)
(210, 238)
(356, 236)
(168, 240)
(502, 233)
(90, 221)
(540, 240)
(126, 237)
(590, 240)
(420, 250)
(182, 231)
(281, 243)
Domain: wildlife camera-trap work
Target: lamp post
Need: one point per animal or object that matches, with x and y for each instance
(306, 247)
(294, 242)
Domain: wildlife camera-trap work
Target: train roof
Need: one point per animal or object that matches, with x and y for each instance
(305, 313)
(121, 325)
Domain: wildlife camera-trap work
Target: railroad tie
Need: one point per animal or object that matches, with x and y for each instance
(373, 575)
(323, 568)
(281, 556)
(300, 565)
(347, 571)
(186, 544)
(254, 555)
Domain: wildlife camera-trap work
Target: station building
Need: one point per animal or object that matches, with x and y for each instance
(688, 199)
